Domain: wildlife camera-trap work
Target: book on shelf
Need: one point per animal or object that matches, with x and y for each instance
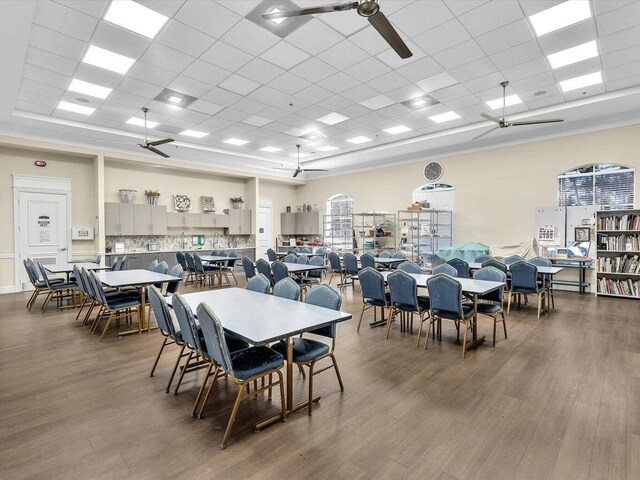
(623, 264)
(619, 222)
(627, 288)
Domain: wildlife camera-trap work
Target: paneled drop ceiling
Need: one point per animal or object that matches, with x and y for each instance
(331, 80)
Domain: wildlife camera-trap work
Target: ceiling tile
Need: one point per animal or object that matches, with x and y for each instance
(226, 56)
(420, 17)
(490, 16)
(477, 68)
(188, 85)
(442, 37)
(449, 93)
(232, 115)
(47, 77)
(313, 94)
(516, 55)
(151, 74)
(425, 67)
(249, 105)
(526, 69)
(338, 82)
(568, 37)
(208, 17)
(545, 101)
(188, 40)
(460, 54)
(166, 57)
(578, 69)
(387, 82)
(99, 76)
(343, 55)
(345, 23)
(505, 37)
(393, 60)
(191, 116)
(619, 19)
(462, 102)
(404, 93)
(64, 20)
(314, 37)
(289, 83)
(336, 102)
(621, 71)
(165, 7)
(205, 107)
(95, 8)
(239, 85)
(284, 55)
(530, 83)
(206, 73)
(436, 82)
(620, 40)
(313, 70)
(55, 42)
(378, 102)
(458, 7)
(119, 40)
(621, 83)
(367, 69)
(256, 121)
(40, 89)
(260, 71)
(142, 89)
(604, 6)
(268, 95)
(369, 40)
(620, 57)
(127, 99)
(249, 37)
(50, 61)
(484, 82)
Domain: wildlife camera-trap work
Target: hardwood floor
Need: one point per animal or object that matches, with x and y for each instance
(560, 399)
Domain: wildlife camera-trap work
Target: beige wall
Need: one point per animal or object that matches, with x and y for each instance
(282, 195)
(496, 190)
(81, 171)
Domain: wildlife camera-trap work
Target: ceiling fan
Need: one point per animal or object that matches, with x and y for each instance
(151, 146)
(504, 123)
(299, 169)
(365, 8)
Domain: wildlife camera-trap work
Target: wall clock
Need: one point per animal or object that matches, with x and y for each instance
(433, 171)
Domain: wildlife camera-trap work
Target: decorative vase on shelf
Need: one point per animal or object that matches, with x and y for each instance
(153, 199)
(237, 205)
(288, 209)
(127, 195)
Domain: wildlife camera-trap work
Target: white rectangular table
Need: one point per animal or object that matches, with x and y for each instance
(545, 270)
(261, 319)
(469, 286)
(284, 254)
(135, 278)
(67, 268)
(300, 267)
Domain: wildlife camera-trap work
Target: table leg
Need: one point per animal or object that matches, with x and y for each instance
(141, 311)
(289, 374)
(475, 340)
(582, 267)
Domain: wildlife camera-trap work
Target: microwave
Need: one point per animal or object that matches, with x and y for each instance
(153, 247)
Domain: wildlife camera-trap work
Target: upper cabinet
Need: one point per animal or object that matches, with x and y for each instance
(214, 220)
(288, 223)
(183, 219)
(119, 219)
(239, 222)
(300, 223)
(150, 219)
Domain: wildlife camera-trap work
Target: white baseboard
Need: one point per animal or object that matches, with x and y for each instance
(9, 289)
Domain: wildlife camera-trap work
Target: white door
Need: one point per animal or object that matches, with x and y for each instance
(42, 231)
(265, 221)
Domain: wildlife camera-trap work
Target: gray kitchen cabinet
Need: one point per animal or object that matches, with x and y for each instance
(239, 222)
(119, 218)
(192, 219)
(214, 220)
(158, 219)
(288, 223)
(308, 223)
(169, 257)
(183, 220)
(175, 219)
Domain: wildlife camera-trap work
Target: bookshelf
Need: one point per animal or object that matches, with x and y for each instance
(423, 232)
(374, 232)
(618, 253)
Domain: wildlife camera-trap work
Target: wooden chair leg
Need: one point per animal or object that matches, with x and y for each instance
(232, 418)
(392, 312)
(510, 293)
(106, 327)
(283, 411)
(426, 338)
(539, 304)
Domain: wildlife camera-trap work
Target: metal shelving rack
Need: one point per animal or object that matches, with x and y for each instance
(617, 236)
(423, 232)
(338, 234)
(369, 226)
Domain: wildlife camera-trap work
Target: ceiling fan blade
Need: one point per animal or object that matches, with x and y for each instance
(336, 7)
(488, 131)
(534, 122)
(160, 142)
(384, 28)
(315, 170)
(490, 117)
(155, 150)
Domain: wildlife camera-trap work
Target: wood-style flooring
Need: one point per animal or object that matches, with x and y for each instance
(559, 399)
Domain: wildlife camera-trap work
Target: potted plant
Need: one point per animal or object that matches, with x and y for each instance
(236, 202)
(152, 196)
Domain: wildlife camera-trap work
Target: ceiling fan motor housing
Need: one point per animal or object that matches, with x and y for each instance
(367, 8)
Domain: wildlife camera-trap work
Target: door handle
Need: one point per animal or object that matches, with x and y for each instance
(62, 249)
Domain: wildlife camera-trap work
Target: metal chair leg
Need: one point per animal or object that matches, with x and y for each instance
(153, 369)
(232, 419)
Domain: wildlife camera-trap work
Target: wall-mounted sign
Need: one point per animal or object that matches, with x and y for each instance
(82, 233)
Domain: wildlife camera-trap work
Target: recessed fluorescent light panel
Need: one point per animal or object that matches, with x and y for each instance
(139, 122)
(358, 140)
(135, 17)
(280, 26)
(271, 149)
(581, 82)
(560, 16)
(444, 117)
(508, 101)
(332, 118)
(327, 148)
(235, 141)
(277, 21)
(108, 60)
(90, 89)
(72, 107)
(397, 130)
(573, 55)
(175, 99)
(194, 134)
(418, 103)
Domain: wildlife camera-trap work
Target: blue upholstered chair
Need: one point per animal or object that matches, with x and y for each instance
(271, 255)
(263, 267)
(373, 293)
(297, 250)
(248, 267)
(153, 265)
(524, 281)
(384, 254)
(546, 279)
(115, 262)
(306, 250)
(336, 266)
(204, 272)
(483, 258)
(409, 267)
(321, 251)
(114, 307)
(191, 268)
(57, 290)
(243, 367)
(314, 277)
(229, 266)
(350, 268)
(462, 267)
(167, 329)
(367, 261)
(279, 271)
(40, 286)
(446, 269)
(513, 259)
(259, 283)
(493, 302)
(405, 301)
(302, 259)
(176, 271)
(290, 258)
(181, 260)
(495, 264)
(287, 288)
(307, 352)
(394, 266)
(446, 303)
(123, 263)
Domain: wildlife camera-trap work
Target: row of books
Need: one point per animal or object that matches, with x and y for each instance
(628, 288)
(624, 264)
(627, 243)
(619, 222)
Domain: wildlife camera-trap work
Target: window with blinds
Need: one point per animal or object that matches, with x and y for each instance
(338, 227)
(606, 185)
